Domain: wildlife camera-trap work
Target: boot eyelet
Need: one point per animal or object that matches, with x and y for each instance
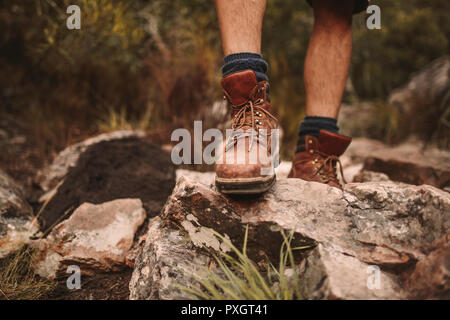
(311, 151)
(310, 141)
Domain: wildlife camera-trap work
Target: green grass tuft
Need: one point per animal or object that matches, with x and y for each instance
(238, 277)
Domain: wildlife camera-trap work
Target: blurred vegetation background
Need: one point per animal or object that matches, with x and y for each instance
(155, 65)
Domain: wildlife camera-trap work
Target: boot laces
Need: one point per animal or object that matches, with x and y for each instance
(241, 119)
(327, 168)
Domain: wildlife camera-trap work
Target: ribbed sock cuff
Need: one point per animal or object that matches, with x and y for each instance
(312, 125)
(245, 61)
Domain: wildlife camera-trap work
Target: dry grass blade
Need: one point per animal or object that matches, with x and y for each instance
(17, 279)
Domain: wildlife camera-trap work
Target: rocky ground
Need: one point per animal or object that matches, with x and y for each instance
(401, 229)
(95, 198)
(115, 206)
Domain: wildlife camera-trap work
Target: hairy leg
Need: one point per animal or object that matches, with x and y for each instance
(328, 57)
(240, 24)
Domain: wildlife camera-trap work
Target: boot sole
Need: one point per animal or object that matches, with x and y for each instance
(245, 185)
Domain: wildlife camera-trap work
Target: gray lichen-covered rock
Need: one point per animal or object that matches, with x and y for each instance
(329, 273)
(96, 238)
(368, 240)
(167, 263)
(17, 223)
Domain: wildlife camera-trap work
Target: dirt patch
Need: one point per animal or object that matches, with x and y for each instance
(107, 286)
(127, 168)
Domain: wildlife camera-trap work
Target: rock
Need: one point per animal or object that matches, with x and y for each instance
(426, 87)
(17, 222)
(329, 274)
(360, 149)
(207, 178)
(353, 159)
(431, 277)
(108, 170)
(367, 124)
(96, 238)
(350, 172)
(384, 226)
(49, 177)
(370, 176)
(426, 94)
(283, 169)
(396, 224)
(167, 261)
(410, 164)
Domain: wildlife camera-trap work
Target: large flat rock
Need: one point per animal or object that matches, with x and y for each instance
(388, 227)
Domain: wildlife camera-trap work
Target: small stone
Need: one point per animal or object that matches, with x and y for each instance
(96, 238)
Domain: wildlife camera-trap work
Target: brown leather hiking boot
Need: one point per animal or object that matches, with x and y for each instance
(318, 161)
(246, 164)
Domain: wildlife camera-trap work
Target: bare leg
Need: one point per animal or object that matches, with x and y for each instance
(246, 164)
(240, 24)
(328, 57)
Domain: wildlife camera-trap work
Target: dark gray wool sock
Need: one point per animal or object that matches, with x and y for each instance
(245, 61)
(311, 126)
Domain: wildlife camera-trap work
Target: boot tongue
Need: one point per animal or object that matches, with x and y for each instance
(239, 86)
(333, 143)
